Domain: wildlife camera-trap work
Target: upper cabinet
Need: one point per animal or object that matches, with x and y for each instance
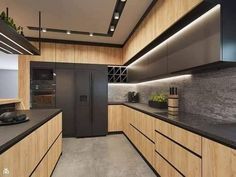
(202, 38)
(48, 52)
(164, 14)
(98, 55)
(65, 53)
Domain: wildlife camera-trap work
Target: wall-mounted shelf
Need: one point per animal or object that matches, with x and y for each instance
(13, 43)
(117, 74)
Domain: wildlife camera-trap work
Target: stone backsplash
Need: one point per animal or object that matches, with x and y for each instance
(211, 93)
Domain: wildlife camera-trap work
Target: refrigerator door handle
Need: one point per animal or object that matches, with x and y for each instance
(91, 96)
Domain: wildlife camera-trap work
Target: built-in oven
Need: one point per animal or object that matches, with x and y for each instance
(42, 85)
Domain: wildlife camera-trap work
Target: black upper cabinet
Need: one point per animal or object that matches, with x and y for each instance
(196, 45)
(204, 38)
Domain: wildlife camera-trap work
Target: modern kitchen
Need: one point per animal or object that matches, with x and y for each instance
(117, 88)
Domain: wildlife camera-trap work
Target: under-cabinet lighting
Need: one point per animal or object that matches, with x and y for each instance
(185, 76)
(208, 13)
(6, 50)
(15, 43)
(122, 84)
(10, 47)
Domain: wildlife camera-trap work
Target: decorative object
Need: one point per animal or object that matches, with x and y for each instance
(158, 100)
(173, 101)
(10, 22)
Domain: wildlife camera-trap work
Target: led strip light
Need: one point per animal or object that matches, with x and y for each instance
(6, 50)
(15, 43)
(10, 47)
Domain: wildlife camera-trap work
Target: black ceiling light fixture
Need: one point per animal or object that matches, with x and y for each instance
(119, 7)
(11, 42)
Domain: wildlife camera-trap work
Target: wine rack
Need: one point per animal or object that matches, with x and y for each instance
(117, 74)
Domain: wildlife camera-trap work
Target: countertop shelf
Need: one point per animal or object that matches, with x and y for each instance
(9, 101)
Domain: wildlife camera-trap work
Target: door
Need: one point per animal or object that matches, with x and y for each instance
(99, 101)
(65, 97)
(83, 103)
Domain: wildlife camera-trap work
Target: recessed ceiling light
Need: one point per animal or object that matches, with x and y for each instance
(116, 16)
(112, 28)
(90, 34)
(44, 30)
(68, 32)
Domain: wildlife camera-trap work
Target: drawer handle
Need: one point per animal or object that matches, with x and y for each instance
(5, 171)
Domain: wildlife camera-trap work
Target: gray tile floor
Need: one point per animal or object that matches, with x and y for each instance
(110, 156)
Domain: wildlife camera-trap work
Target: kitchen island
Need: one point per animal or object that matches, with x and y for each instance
(34, 147)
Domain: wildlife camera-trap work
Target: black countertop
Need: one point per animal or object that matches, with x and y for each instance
(11, 134)
(221, 131)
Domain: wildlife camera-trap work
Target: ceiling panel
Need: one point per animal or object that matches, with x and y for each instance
(79, 15)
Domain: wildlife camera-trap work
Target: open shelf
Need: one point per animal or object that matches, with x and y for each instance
(13, 43)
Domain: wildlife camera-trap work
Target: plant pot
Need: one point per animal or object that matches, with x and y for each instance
(158, 105)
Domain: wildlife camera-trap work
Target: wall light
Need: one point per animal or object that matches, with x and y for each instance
(15, 43)
(195, 22)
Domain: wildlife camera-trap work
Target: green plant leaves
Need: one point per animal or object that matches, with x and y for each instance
(159, 97)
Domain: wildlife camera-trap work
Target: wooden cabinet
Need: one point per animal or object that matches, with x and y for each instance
(65, 53)
(181, 136)
(183, 160)
(163, 168)
(48, 52)
(98, 55)
(218, 160)
(23, 157)
(138, 128)
(115, 118)
(54, 128)
(163, 15)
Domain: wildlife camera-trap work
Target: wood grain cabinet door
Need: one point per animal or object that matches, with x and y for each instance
(218, 160)
(115, 118)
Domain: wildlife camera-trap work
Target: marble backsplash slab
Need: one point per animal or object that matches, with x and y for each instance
(211, 94)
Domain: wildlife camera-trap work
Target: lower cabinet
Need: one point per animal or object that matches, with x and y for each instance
(47, 165)
(22, 159)
(218, 160)
(115, 118)
(173, 151)
(164, 168)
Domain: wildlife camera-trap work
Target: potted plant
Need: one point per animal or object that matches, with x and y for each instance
(158, 100)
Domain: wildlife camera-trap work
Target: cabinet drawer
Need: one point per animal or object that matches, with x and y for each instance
(164, 169)
(183, 160)
(183, 137)
(54, 128)
(144, 145)
(144, 123)
(48, 163)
